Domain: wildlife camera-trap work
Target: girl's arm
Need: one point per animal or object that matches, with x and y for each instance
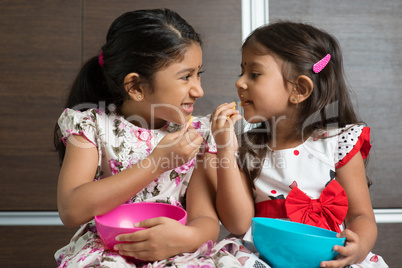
(80, 198)
(201, 194)
(234, 201)
(361, 228)
(166, 237)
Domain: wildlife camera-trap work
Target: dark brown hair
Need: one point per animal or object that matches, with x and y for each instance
(141, 41)
(299, 46)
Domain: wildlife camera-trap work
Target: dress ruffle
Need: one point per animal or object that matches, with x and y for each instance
(351, 140)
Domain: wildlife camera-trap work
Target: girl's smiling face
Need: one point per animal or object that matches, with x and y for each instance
(175, 90)
(261, 87)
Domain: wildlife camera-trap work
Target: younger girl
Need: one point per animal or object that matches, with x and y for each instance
(292, 84)
(134, 145)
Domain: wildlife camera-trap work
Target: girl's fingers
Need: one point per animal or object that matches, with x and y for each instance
(130, 237)
(148, 223)
(193, 138)
(223, 107)
(349, 235)
(334, 264)
(235, 117)
(135, 250)
(344, 251)
(225, 115)
(219, 109)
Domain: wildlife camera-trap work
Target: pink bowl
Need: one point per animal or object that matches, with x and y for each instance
(121, 219)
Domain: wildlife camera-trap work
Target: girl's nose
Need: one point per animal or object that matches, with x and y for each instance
(240, 84)
(196, 90)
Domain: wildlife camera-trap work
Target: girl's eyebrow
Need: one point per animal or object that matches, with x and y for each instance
(253, 64)
(186, 70)
(189, 70)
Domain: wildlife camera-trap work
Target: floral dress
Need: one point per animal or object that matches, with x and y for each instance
(298, 184)
(121, 144)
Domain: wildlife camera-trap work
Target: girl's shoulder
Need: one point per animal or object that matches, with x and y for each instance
(336, 146)
(71, 117)
(351, 140)
(71, 114)
(84, 123)
(348, 141)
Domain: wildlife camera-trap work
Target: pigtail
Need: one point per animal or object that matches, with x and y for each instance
(142, 42)
(88, 87)
(87, 90)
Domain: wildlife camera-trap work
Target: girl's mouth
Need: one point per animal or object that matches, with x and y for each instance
(187, 107)
(245, 103)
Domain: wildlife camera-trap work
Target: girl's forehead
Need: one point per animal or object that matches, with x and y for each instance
(250, 58)
(191, 55)
(190, 61)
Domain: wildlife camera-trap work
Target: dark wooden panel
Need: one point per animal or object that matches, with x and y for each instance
(371, 38)
(218, 21)
(389, 243)
(40, 51)
(32, 246)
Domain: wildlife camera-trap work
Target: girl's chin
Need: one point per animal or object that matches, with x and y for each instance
(253, 120)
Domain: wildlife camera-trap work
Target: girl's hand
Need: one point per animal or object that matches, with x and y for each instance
(176, 149)
(163, 239)
(348, 253)
(223, 120)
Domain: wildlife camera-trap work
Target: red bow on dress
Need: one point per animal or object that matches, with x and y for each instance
(327, 212)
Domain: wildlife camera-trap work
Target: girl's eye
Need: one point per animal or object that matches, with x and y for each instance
(254, 75)
(186, 77)
(240, 75)
(199, 73)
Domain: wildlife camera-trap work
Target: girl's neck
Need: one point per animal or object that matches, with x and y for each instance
(284, 136)
(139, 117)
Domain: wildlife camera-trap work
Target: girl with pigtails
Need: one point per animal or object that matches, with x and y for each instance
(126, 136)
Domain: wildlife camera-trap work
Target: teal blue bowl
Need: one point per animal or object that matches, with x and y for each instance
(290, 244)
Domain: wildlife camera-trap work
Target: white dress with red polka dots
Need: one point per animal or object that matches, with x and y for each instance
(311, 166)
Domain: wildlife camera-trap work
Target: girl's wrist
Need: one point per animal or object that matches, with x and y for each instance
(189, 235)
(227, 151)
(193, 238)
(227, 158)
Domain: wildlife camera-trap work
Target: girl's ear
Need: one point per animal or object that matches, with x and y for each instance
(303, 90)
(133, 87)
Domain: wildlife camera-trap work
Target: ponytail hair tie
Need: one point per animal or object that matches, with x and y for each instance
(100, 60)
(321, 64)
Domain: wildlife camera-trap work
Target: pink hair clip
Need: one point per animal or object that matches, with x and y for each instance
(321, 64)
(100, 60)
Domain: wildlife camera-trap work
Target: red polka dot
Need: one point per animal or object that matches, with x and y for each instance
(296, 152)
(273, 192)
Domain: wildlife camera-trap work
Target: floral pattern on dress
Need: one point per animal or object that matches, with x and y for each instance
(120, 145)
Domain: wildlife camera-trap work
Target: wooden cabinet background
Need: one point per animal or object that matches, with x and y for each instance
(42, 46)
(370, 35)
(43, 43)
